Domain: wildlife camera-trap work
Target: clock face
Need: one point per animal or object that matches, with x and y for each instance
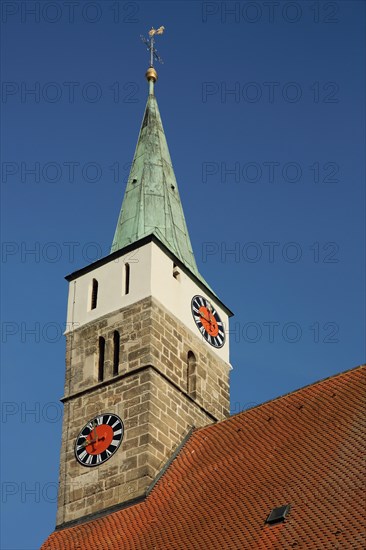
(208, 321)
(99, 439)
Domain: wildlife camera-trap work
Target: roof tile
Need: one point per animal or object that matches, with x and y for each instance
(305, 449)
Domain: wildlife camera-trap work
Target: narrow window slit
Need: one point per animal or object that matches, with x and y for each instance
(116, 342)
(101, 345)
(127, 279)
(176, 272)
(94, 294)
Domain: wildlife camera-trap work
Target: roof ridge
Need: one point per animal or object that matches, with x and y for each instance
(322, 380)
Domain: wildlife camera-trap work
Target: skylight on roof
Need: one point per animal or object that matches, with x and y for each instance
(278, 514)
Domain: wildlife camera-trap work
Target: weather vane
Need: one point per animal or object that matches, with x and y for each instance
(150, 44)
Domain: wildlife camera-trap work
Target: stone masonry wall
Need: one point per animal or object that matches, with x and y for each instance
(149, 394)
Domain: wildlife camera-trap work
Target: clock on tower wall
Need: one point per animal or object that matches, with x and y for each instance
(147, 347)
(99, 439)
(208, 321)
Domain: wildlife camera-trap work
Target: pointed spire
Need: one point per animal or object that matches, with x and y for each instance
(151, 204)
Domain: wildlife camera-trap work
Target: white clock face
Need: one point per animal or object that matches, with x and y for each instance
(208, 321)
(99, 439)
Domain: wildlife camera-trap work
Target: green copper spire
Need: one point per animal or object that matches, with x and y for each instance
(151, 204)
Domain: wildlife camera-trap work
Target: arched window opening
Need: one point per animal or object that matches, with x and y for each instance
(127, 279)
(94, 294)
(191, 374)
(101, 345)
(116, 341)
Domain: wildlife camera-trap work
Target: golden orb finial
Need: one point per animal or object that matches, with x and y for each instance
(151, 74)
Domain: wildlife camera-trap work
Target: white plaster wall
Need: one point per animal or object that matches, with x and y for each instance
(176, 296)
(151, 274)
(110, 279)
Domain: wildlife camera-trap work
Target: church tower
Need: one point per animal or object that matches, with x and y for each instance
(147, 344)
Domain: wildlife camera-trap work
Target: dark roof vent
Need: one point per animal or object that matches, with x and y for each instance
(278, 514)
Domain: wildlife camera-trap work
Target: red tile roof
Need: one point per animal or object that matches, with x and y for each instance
(306, 449)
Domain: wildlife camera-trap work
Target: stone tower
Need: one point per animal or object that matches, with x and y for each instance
(147, 353)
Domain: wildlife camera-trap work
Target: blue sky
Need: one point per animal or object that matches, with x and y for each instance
(263, 108)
